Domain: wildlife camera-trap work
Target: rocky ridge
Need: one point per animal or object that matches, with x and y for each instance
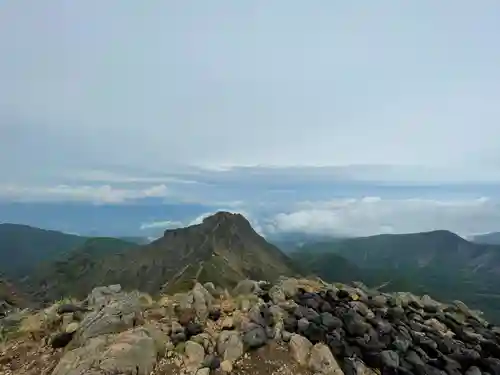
(295, 326)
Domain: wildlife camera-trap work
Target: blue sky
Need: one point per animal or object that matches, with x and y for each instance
(357, 118)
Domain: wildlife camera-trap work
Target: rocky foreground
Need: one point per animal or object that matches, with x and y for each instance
(294, 327)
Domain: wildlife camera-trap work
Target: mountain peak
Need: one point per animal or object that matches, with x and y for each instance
(223, 248)
(225, 216)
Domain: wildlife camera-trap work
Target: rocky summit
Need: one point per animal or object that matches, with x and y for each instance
(294, 326)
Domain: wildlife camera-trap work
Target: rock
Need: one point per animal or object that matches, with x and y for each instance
(329, 321)
(211, 362)
(214, 314)
(429, 304)
(354, 366)
(436, 325)
(246, 287)
(321, 361)
(255, 315)
(203, 371)
(193, 329)
(227, 306)
(205, 340)
(195, 354)
(354, 324)
(72, 327)
(290, 287)
(130, 352)
(202, 301)
(210, 287)
(186, 315)
(157, 313)
(306, 312)
(178, 337)
(67, 308)
(117, 316)
(244, 304)
(302, 325)
(300, 348)
(161, 339)
(61, 340)
(277, 294)
(473, 371)
(361, 308)
(230, 345)
(102, 295)
(286, 336)
(228, 323)
(226, 366)
(379, 301)
(389, 359)
(255, 338)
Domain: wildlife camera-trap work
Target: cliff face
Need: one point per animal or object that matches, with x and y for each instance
(294, 327)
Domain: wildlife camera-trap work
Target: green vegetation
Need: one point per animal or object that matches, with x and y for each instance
(23, 247)
(223, 249)
(438, 263)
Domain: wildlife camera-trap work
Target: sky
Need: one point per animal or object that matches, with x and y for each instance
(325, 117)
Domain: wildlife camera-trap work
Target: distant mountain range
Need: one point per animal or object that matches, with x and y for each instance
(224, 248)
(439, 263)
(488, 238)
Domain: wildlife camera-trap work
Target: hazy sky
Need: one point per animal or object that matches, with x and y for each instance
(98, 94)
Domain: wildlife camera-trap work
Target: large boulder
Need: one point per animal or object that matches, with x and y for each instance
(132, 352)
(121, 313)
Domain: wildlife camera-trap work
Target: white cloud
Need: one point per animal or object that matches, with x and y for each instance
(358, 217)
(81, 193)
(104, 176)
(166, 224)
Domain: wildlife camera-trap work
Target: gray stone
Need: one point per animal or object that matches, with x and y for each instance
(322, 361)
(277, 294)
(117, 316)
(389, 358)
(303, 324)
(286, 336)
(202, 301)
(102, 295)
(130, 352)
(473, 371)
(203, 371)
(299, 348)
(230, 345)
(195, 354)
(255, 338)
(290, 287)
(246, 287)
(379, 301)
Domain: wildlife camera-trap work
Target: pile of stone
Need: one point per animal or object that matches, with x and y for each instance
(327, 329)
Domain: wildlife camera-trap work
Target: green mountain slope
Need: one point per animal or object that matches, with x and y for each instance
(439, 263)
(72, 274)
(223, 249)
(23, 247)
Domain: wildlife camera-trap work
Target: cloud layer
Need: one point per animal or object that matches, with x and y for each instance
(372, 215)
(293, 115)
